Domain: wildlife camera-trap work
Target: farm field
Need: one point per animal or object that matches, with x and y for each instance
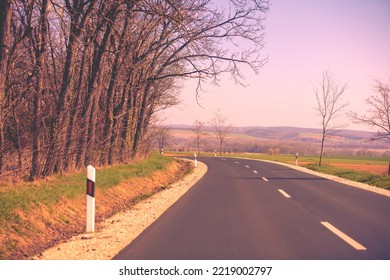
(375, 165)
(370, 170)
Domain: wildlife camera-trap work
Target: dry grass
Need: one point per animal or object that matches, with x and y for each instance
(116, 232)
(34, 229)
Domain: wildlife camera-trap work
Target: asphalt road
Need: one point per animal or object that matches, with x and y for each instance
(246, 209)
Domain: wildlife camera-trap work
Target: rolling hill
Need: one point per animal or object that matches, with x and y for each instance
(281, 139)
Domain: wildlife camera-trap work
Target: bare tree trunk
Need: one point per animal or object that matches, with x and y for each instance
(322, 145)
(61, 110)
(128, 120)
(140, 120)
(91, 136)
(57, 131)
(5, 22)
(1, 147)
(113, 144)
(91, 92)
(17, 137)
(109, 124)
(40, 58)
(68, 154)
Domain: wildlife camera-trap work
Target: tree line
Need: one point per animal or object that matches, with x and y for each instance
(81, 81)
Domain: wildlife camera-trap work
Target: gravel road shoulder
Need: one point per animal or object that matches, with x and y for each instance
(113, 234)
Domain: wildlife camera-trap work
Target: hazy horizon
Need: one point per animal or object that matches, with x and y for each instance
(177, 125)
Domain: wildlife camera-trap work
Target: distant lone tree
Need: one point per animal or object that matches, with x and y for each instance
(378, 114)
(162, 134)
(329, 94)
(199, 133)
(222, 129)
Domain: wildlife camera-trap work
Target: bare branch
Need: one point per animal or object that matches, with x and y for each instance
(378, 114)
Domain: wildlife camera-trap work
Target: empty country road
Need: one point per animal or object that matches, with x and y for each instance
(247, 209)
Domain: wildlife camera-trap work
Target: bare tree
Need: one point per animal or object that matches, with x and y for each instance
(329, 94)
(222, 129)
(162, 135)
(378, 115)
(199, 133)
(40, 50)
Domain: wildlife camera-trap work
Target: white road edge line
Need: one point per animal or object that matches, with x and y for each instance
(284, 193)
(344, 237)
(265, 179)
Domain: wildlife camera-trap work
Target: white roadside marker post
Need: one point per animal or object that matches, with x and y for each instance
(296, 159)
(196, 163)
(90, 225)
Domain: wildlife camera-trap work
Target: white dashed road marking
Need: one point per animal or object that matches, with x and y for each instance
(343, 236)
(265, 179)
(284, 193)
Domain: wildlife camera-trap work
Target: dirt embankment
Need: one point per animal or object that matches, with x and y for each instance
(44, 227)
(116, 232)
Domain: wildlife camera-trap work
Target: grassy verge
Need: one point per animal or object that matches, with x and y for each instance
(357, 176)
(44, 212)
(48, 192)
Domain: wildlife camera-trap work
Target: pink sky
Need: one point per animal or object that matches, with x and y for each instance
(350, 38)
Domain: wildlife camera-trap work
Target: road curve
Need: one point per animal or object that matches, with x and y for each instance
(246, 209)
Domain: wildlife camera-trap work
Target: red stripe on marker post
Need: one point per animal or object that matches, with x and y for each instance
(90, 223)
(90, 188)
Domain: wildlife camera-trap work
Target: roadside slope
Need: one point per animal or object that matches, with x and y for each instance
(32, 223)
(116, 232)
